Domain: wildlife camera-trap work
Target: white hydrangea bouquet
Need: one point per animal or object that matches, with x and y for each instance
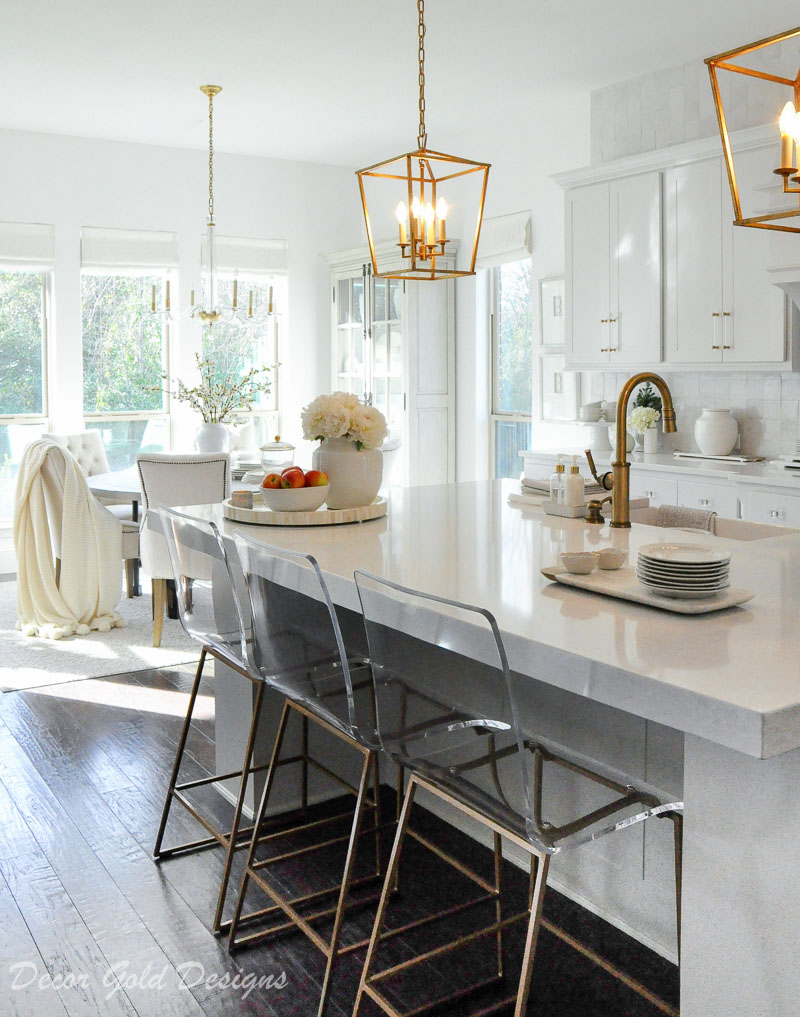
(642, 418)
(341, 415)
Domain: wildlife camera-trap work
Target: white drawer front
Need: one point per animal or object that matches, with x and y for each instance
(659, 489)
(718, 498)
(776, 509)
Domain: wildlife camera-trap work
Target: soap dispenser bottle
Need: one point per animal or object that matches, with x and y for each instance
(574, 495)
(557, 484)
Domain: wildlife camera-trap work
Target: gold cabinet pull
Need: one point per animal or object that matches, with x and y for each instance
(726, 314)
(716, 314)
(716, 347)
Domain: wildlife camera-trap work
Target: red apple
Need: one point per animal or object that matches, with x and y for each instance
(293, 478)
(272, 481)
(287, 469)
(316, 478)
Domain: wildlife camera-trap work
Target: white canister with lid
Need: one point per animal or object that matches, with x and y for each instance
(277, 455)
(715, 432)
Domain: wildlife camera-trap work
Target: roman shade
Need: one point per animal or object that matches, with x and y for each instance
(27, 245)
(117, 250)
(249, 255)
(504, 238)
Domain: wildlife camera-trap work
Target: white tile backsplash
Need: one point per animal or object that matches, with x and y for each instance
(660, 109)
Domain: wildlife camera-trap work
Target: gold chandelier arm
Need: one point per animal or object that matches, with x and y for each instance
(422, 135)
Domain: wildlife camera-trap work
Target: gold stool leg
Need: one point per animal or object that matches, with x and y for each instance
(237, 815)
(179, 754)
(355, 831)
(388, 885)
(539, 867)
(259, 819)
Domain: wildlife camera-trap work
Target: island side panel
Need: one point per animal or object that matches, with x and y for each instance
(741, 891)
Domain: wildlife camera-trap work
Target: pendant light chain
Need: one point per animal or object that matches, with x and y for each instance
(211, 157)
(422, 136)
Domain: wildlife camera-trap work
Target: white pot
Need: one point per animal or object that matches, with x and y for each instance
(715, 432)
(212, 438)
(354, 476)
(650, 441)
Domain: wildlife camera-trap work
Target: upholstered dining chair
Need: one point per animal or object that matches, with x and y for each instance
(486, 760)
(172, 479)
(88, 448)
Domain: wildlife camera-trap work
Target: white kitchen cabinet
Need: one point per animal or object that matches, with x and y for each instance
(703, 494)
(775, 508)
(661, 489)
(613, 283)
(393, 345)
(721, 306)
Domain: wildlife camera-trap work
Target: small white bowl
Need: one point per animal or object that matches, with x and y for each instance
(580, 563)
(294, 499)
(610, 558)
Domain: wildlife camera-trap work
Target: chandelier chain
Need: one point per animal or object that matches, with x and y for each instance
(211, 157)
(422, 136)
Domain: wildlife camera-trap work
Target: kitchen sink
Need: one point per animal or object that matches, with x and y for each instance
(730, 529)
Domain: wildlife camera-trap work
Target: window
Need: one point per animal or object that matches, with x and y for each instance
(125, 351)
(511, 332)
(235, 348)
(23, 390)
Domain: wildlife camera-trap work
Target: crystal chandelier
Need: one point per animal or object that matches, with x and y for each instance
(415, 192)
(764, 67)
(209, 310)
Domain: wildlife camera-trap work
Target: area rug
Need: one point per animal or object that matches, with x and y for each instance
(28, 662)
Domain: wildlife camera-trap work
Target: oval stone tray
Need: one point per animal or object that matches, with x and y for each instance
(260, 515)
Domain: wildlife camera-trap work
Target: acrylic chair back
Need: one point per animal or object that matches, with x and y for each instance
(212, 598)
(445, 700)
(297, 638)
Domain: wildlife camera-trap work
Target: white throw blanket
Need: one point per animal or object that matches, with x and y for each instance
(86, 537)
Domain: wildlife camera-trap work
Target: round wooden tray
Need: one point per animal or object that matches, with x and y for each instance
(262, 516)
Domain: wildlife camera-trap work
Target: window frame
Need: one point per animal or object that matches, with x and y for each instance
(495, 417)
(47, 287)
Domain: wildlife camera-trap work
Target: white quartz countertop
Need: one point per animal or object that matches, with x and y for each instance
(732, 677)
(763, 474)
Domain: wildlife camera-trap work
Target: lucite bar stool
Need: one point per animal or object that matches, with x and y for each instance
(214, 610)
(298, 649)
(483, 762)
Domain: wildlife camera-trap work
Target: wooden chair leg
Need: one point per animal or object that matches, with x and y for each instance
(159, 607)
(130, 577)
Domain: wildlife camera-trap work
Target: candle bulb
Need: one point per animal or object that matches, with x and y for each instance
(402, 215)
(787, 125)
(430, 222)
(250, 305)
(416, 212)
(441, 215)
(153, 299)
(235, 293)
(166, 301)
(269, 308)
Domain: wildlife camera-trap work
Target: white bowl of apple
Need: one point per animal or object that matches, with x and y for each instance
(294, 490)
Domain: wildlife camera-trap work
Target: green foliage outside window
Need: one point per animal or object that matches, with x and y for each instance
(514, 349)
(20, 343)
(122, 344)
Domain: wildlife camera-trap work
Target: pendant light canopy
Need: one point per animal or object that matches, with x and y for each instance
(411, 196)
(770, 66)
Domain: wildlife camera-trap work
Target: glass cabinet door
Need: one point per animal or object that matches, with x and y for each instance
(387, 352)
(349, 354)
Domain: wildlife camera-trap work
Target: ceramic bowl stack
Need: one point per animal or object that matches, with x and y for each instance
(683, 571)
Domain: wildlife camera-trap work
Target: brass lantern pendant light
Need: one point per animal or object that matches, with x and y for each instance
(411, 195)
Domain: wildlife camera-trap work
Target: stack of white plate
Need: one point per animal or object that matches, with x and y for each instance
(685, 571)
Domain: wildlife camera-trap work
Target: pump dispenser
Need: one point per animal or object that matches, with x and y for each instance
(557, 483)
(573, 486)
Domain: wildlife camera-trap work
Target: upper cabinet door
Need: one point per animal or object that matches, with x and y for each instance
(635, 295)
(588, 275)
(694, 304)
(754, 310)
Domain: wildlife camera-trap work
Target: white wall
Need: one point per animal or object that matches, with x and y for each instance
(74, 182)
(525, 150)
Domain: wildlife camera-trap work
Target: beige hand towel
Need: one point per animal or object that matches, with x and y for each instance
(676, 516)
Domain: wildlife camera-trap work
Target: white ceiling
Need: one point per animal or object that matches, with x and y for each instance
(335, 80)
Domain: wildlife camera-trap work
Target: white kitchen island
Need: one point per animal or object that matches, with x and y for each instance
(706, 707)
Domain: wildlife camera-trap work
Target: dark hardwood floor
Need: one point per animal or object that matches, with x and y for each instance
(91, 925)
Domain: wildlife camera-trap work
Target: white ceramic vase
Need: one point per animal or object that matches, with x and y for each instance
(715, 432)
(212, 438)
(650, 441)
(354, 476)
